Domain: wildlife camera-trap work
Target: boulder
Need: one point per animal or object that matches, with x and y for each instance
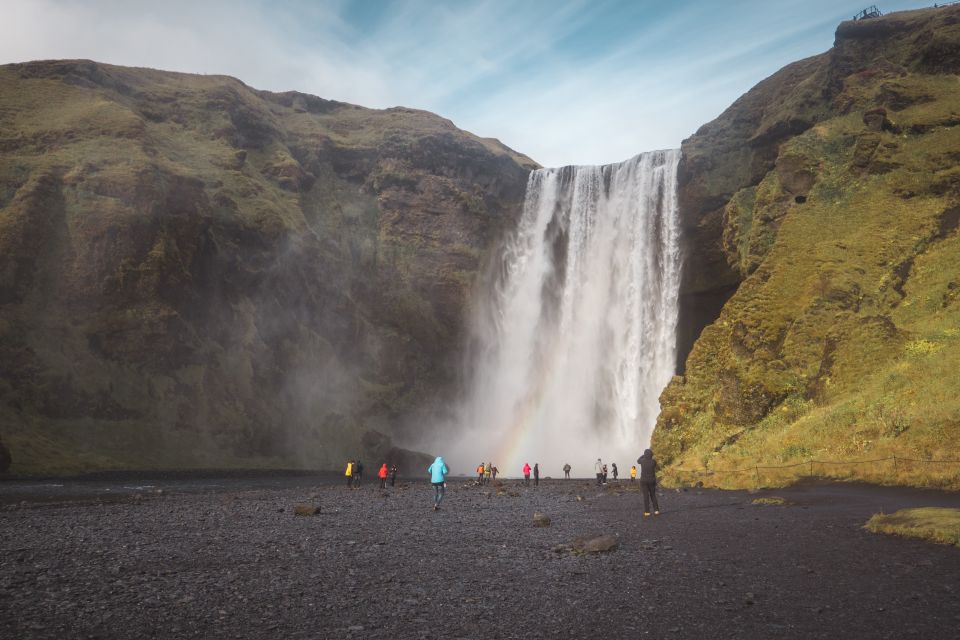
(541, 519)
(598, 544)
(604, 543)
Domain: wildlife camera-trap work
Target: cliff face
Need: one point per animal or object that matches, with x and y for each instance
(828, 198)
(195, 273)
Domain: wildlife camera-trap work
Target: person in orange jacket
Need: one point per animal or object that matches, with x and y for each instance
(526, 473)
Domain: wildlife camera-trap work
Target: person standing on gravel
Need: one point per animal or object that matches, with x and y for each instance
(488, 472)
(648, 482)
(357, 473)
(349, 473)
(382, 474)
(393, 475)
(438, 473)
(599, 469)
(480, 474)
(566, 471)
(613, 466)
(633, 473)
(536, 474)
(526, 473)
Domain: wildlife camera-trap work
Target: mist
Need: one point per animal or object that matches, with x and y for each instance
(572, 335)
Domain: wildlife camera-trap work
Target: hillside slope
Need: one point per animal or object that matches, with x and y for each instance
(194, 273)
(829, 197)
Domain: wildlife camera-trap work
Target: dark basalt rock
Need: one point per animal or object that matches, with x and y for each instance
(197, 273)
(5, 458)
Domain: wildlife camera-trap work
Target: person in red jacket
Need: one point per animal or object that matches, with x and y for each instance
(382, 474)
(526, 473)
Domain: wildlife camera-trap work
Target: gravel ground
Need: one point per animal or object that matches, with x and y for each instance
(382, 564)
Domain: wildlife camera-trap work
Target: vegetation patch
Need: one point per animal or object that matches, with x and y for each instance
(836, 356)
(928, 523)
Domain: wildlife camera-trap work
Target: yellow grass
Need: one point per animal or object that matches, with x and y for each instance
(928, 523)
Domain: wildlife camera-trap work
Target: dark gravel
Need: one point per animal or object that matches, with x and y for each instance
(239, 564)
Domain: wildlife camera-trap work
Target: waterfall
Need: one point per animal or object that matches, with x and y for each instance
(574, 336)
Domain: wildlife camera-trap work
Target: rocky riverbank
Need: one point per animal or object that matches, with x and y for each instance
(382, 564)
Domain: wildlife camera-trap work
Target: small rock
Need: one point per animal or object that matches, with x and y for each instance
(541, 520)
(599, 544)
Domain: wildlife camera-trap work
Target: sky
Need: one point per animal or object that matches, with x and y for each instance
(575, 82)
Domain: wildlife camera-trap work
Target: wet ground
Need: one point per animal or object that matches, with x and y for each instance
(227, 558)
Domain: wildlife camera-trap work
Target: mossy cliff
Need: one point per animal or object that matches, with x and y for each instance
(195, 273)
(828, 197)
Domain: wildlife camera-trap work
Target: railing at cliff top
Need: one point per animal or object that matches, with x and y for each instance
(870, 12)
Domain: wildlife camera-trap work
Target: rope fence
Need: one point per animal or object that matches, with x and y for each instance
(811, 468)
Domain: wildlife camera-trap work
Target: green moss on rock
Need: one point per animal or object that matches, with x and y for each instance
(844, 231)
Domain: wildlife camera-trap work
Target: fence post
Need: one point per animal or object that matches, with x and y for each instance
(811, 468)
(756, 468)
(896, 468)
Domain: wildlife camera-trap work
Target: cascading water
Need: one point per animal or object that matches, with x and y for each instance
(575, 338)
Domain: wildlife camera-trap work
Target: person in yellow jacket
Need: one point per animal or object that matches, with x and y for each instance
(633, 473)
(349, 473)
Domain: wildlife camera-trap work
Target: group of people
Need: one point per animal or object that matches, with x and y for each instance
(354, 474)
(486, 472)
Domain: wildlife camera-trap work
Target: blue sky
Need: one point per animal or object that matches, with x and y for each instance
(578, 82)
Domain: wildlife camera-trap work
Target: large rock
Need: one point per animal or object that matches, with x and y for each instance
(541, 519)
(602, 543)
(196, 273)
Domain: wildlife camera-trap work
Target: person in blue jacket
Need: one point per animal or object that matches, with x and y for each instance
(438, 472)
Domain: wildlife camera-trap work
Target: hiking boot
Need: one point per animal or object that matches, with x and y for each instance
(646, 514)
(656, 513)
(435, 507)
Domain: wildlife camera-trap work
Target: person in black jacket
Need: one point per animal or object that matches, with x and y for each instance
(536, 474)
(648, 482)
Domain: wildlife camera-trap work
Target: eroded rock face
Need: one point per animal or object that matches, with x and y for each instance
(196, 273)
(726, 160)
(821, 202)
(5, 459)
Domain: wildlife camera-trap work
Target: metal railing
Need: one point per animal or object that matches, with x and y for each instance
(870, 12)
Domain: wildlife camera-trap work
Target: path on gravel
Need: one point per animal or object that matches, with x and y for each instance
(381, 564)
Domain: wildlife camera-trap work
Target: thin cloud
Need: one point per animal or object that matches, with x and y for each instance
(567, 83)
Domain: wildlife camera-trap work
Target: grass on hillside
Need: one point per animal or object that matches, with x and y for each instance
(850, 323)
(928, 523)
